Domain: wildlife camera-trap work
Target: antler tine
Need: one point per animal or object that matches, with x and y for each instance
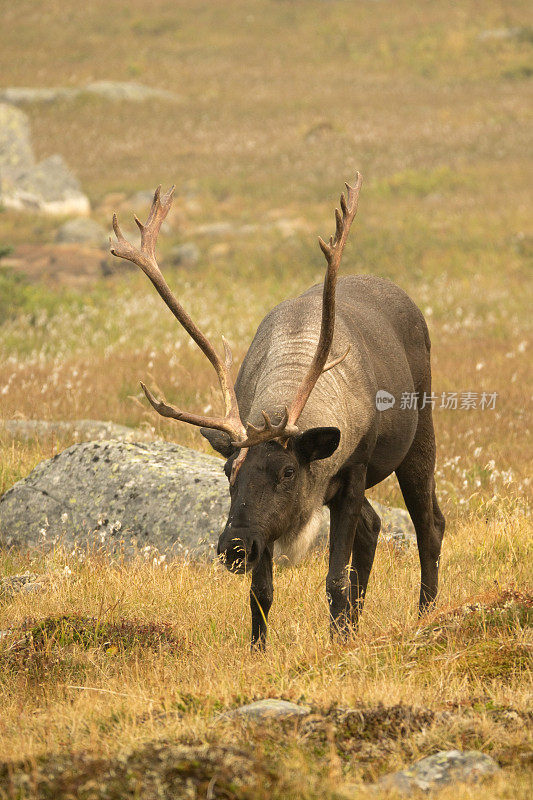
(333, 252)
(228, 355)
(256, 435)
(171, 412)
(145, 258)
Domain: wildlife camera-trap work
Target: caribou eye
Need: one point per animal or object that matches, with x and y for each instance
(288, 472)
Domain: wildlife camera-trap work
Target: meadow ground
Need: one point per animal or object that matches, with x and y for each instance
(279, 103)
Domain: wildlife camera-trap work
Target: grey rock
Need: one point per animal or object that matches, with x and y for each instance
(396, 525)
(83, 230)
(500, 34)
(24, 582)
(215, 229)
(16, 154)
(48, 187)
(135, 92)
(22, 95)
(81, 429)
(153, 496)
(269, 709)
(157, 496)
(110, 90)
(187, 254)
(439, 770)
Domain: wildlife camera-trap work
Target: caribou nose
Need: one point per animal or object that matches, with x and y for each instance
(239, 551)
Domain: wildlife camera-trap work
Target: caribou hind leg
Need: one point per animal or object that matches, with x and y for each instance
(363, 551)
(417, 482)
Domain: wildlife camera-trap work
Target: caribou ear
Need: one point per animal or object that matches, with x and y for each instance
(218, 440)
(316, 443)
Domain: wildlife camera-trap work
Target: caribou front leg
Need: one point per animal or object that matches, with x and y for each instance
(261, 596)
(345, 509)
(364, 548)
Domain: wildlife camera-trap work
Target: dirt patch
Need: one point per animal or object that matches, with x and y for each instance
(63, 265)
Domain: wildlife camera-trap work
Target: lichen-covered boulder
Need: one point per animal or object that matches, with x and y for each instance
(121, 495)
(439, 770)
(131, 496)
(16, 154)
(48, 186)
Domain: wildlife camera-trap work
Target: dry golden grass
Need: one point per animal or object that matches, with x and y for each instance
(279, 102)
(110, 656)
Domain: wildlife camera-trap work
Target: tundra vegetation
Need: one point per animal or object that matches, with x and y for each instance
(279, 101)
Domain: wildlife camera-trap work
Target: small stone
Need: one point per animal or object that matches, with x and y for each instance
(269, 709)
(443, 768)
(32, 587)
(127, 90)
(215, 229)
(496, 34)
(83, 230)
(25, 581)
(186, 254)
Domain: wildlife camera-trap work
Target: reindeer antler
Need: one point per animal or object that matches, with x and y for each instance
(145, 258)
(333, 252)
(241, 436)
(267, 431)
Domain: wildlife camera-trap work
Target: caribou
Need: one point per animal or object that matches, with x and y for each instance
(302, 428)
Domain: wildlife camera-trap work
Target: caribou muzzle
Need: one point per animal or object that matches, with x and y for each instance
(239, 549)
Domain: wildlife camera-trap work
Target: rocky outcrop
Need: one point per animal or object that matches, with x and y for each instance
(47, 186)
(16, 154)
(109, 90)
(133, 496)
